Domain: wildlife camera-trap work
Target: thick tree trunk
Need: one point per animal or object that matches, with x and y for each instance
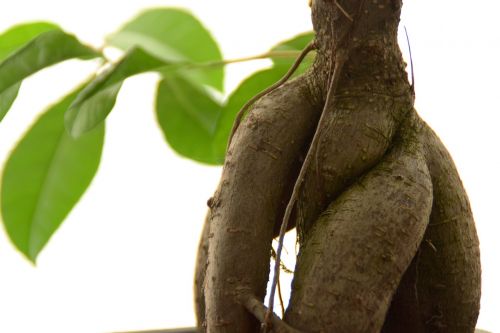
(388, 241)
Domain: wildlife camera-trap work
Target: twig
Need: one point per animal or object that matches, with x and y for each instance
(341, 57)
(271, 54)
(255, 307)
(285, 78)
(208, 64)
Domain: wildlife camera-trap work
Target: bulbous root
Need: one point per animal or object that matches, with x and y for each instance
(260, 169)
(371, 262)
(355, 254)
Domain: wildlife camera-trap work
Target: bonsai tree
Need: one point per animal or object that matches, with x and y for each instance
(333, 148)
(387, 237)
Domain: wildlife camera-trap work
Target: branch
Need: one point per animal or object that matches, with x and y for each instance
(219, 63)
(271, 54)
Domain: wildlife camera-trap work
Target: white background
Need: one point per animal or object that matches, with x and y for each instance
(123, 259)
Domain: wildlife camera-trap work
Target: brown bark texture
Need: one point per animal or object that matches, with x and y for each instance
(387, 237)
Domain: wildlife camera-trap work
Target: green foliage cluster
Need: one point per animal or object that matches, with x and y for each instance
(55, 161)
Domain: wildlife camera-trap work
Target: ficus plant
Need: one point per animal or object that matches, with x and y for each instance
(54, 162)
(333, 148)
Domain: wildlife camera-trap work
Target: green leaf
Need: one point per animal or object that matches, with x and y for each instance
(187, 115)
(250, 87)
(10, 41)
(96, 101)
(15, 37)
(297, 43)
(174, 35)
(44, 178)
(7, 98)
(45, 50)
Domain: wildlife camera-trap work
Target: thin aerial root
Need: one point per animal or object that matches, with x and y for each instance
(282, 304)
(342, 55)
(411, 65)
(288, 211)
(255, 307)
(282, 265)
(278, 84)
(346, 14)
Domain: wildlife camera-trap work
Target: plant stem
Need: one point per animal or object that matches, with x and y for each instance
(219, 63)
(271, 54)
